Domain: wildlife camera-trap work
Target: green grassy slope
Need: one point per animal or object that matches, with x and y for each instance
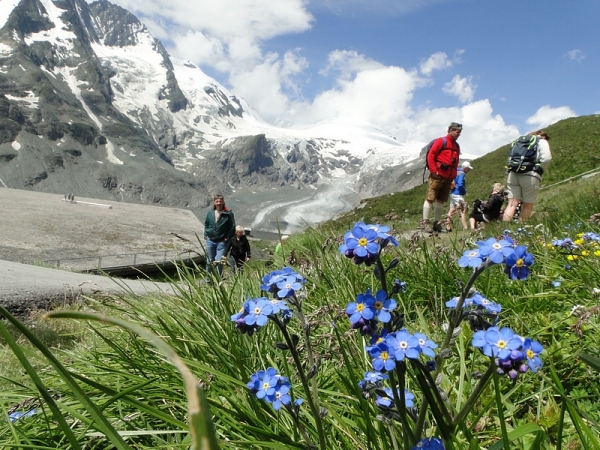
(575, 146)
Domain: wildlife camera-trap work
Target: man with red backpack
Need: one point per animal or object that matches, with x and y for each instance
(442, 163)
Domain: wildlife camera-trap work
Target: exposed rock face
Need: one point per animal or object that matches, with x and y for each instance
(91, 103)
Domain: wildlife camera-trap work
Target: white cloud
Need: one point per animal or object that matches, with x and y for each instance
(462, 88)
(547, 115)
(377, 95)
(270, 87)
(575, 55)
(220, 33)
(348, 62)
(437, 61)
(483, 131)
(228, 35)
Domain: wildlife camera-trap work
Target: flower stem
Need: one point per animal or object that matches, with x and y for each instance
(393, 436)
(453, 321)
(500, 408)
(303, 379)
(299, 425)
(309, 350)
(382, 274)
(474, 396)
(400, 402)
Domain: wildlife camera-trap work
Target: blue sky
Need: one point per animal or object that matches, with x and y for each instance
(408, 67)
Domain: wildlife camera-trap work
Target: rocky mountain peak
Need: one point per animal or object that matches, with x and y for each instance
(92, 103)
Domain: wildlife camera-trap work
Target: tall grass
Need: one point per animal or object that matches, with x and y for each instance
(124, 388)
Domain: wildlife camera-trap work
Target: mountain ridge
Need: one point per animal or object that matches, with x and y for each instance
(91, 103)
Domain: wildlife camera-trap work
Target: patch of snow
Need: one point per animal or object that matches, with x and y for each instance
(6, 7)
(59, 36)
(74, 84)
(31, 99)
(5, 50)
(139, 76)
(110, 150)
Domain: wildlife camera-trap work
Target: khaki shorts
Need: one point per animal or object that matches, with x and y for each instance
(458, 202)
(523, 186)
(438, 189)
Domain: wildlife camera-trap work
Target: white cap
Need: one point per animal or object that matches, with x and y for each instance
(467, 165)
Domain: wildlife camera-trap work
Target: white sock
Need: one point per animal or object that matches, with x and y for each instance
(426, 210)
(437, 211)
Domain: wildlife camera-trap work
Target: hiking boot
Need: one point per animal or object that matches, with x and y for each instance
(425, 226)
(437, 227)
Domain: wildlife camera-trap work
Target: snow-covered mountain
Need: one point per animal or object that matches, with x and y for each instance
(91, 103)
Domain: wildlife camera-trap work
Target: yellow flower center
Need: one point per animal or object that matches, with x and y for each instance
(385, 356)
(265, 385)
(360, 307)
(362, 242)
(530, 354)
(378, 305)
(520, 263)
(502, 344)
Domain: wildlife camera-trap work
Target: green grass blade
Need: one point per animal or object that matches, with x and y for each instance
(201, 426)
(592, 361)
(517, 433)
(98, 419)
(35, 377)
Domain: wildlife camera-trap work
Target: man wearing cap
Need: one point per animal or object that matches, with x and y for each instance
(457, 196)
(442, 162)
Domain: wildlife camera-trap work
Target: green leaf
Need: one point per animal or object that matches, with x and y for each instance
(516, 434)
(592, 361)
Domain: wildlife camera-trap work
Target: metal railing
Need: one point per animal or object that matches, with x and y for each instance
(105, 261)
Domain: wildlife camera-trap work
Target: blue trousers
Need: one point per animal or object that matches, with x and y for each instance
(215, 252)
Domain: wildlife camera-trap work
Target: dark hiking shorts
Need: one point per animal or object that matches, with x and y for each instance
(438, 189)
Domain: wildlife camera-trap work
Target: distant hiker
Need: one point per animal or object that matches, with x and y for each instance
(525, 177)
(219, 228)
(239, 249)
(279, 246)
(489, 210)
(457, 196)
(442, 162)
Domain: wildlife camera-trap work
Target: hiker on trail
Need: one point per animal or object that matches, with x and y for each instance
(442, 162)
(488, 211)
(239, 249)
(219, 227)
(457, 196)
(525, 177)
